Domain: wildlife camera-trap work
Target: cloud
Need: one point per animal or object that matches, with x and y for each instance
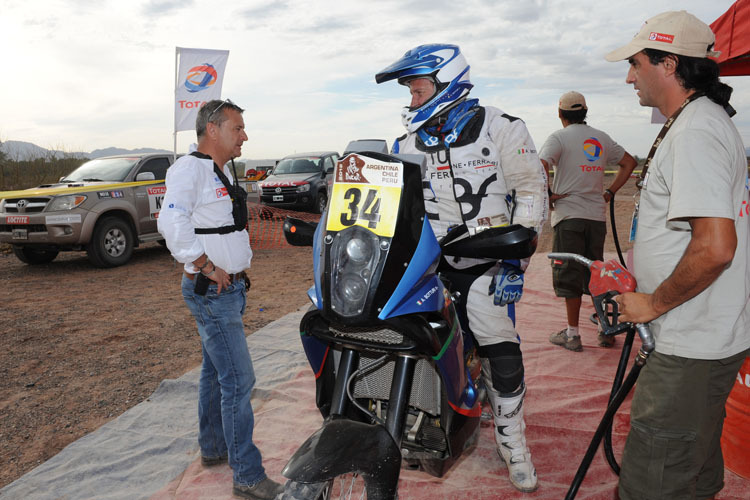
(163, 7)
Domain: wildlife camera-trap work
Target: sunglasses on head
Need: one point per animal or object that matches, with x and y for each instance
(225, 101)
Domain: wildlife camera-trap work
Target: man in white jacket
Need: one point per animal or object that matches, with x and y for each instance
(202, 231)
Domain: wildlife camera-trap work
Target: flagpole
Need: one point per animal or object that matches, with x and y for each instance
(176, 77)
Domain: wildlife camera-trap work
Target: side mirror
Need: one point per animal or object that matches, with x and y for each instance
(299, 233)
(145, 176)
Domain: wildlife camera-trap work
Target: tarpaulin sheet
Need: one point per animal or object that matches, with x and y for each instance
(151, 450)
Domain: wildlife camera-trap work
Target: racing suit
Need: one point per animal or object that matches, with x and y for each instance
(483, 171)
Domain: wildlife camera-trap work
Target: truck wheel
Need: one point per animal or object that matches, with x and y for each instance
(111, 244)
(320, 202)
(33, 256)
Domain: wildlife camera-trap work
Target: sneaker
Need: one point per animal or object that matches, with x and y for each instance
(605, 340)
(264, 490)
(561, 338)
(211, 461)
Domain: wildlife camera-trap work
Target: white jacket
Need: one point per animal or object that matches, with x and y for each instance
(196, 197)
(468, 183)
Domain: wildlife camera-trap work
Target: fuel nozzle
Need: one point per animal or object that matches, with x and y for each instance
(608, 279)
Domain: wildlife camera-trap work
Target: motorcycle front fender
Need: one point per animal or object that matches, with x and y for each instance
(342, 446)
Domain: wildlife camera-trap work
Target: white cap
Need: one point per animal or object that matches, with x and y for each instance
(676, 32)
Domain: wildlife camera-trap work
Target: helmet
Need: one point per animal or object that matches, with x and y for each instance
(444, 65)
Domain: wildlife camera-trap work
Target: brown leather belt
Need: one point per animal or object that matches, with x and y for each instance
(233, 277)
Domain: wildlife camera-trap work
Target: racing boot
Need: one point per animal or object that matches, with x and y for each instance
(510, 437)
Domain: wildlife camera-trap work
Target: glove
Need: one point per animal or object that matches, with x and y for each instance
(507, 285)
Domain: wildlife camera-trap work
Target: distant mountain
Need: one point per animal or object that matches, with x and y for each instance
(98, 153)
(20, 150)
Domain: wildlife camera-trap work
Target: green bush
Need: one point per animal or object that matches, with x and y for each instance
(23, 174)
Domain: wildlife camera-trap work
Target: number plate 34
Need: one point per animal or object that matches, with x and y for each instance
(366, 192)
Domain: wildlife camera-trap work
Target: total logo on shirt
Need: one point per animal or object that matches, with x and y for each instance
(592, 148)
(221, 192)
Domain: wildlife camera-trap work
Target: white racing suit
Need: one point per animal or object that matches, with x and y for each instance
(468, 182)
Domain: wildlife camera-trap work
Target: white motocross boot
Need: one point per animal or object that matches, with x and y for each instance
(510, 437)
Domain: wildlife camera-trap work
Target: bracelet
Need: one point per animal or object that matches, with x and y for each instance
(209, 274)
(204, 265)
(612, 193)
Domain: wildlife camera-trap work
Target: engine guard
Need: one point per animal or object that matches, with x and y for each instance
(342, 446)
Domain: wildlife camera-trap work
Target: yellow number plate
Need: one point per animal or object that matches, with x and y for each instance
(367, 193)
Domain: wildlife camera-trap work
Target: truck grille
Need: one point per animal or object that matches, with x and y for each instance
(29, 205)
(380, 335)
(425, 389)
(268, 191)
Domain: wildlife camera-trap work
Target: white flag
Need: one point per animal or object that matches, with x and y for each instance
(199, 76)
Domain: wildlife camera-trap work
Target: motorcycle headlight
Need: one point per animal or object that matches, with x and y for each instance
(68, 202)
(303, 188)
(355, 255)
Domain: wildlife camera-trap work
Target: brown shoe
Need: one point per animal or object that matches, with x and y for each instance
(561, 338)
(606, 340)
(263, 490)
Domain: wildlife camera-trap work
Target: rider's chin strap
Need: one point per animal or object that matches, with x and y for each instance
(449, 130)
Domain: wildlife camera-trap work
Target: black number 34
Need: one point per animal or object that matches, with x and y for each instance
(370, 210)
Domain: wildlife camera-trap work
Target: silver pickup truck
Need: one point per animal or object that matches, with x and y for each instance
(106, 207)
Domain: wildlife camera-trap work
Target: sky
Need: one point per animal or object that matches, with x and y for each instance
(89, 74)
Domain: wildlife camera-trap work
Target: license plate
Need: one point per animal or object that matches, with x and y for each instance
(20, 234)
(278, 197)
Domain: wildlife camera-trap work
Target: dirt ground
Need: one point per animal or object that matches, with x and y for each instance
(82, 345)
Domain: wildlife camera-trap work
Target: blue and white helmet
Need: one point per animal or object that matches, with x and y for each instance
(444, 65)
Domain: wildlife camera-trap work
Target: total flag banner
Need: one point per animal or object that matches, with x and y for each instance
(199, 74)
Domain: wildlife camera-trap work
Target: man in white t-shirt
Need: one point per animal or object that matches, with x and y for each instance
(580, 155)
(691, 263)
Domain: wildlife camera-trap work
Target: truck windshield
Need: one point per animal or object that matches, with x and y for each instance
(297, 166)
(103, 169)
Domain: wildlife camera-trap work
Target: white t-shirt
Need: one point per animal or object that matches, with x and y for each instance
(699, 170)
(196, 197)
(580, 155)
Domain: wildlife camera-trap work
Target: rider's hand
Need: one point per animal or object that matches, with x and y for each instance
(507, 285)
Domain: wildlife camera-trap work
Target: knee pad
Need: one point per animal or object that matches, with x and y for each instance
(505, 366)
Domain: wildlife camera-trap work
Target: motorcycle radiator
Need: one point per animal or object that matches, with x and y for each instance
(376, 384)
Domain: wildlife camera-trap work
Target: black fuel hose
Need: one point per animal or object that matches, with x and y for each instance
(606, 422)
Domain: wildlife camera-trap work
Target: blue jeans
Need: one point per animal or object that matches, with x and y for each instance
(225, 415)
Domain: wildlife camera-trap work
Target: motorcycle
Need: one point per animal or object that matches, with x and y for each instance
(396, 379)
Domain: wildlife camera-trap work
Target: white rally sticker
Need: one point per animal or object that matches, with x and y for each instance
(63, 219)
(155, 199)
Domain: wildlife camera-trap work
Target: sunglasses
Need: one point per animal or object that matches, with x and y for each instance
(225, 101)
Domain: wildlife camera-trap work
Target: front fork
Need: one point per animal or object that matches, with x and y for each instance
(398, 401)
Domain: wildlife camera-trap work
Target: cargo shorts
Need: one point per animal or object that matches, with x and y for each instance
(585, 237)
(673, 449)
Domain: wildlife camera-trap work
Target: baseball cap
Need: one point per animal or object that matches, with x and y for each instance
(676, 32)
(572, 101)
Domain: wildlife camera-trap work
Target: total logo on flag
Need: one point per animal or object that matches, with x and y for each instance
(200, 77)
